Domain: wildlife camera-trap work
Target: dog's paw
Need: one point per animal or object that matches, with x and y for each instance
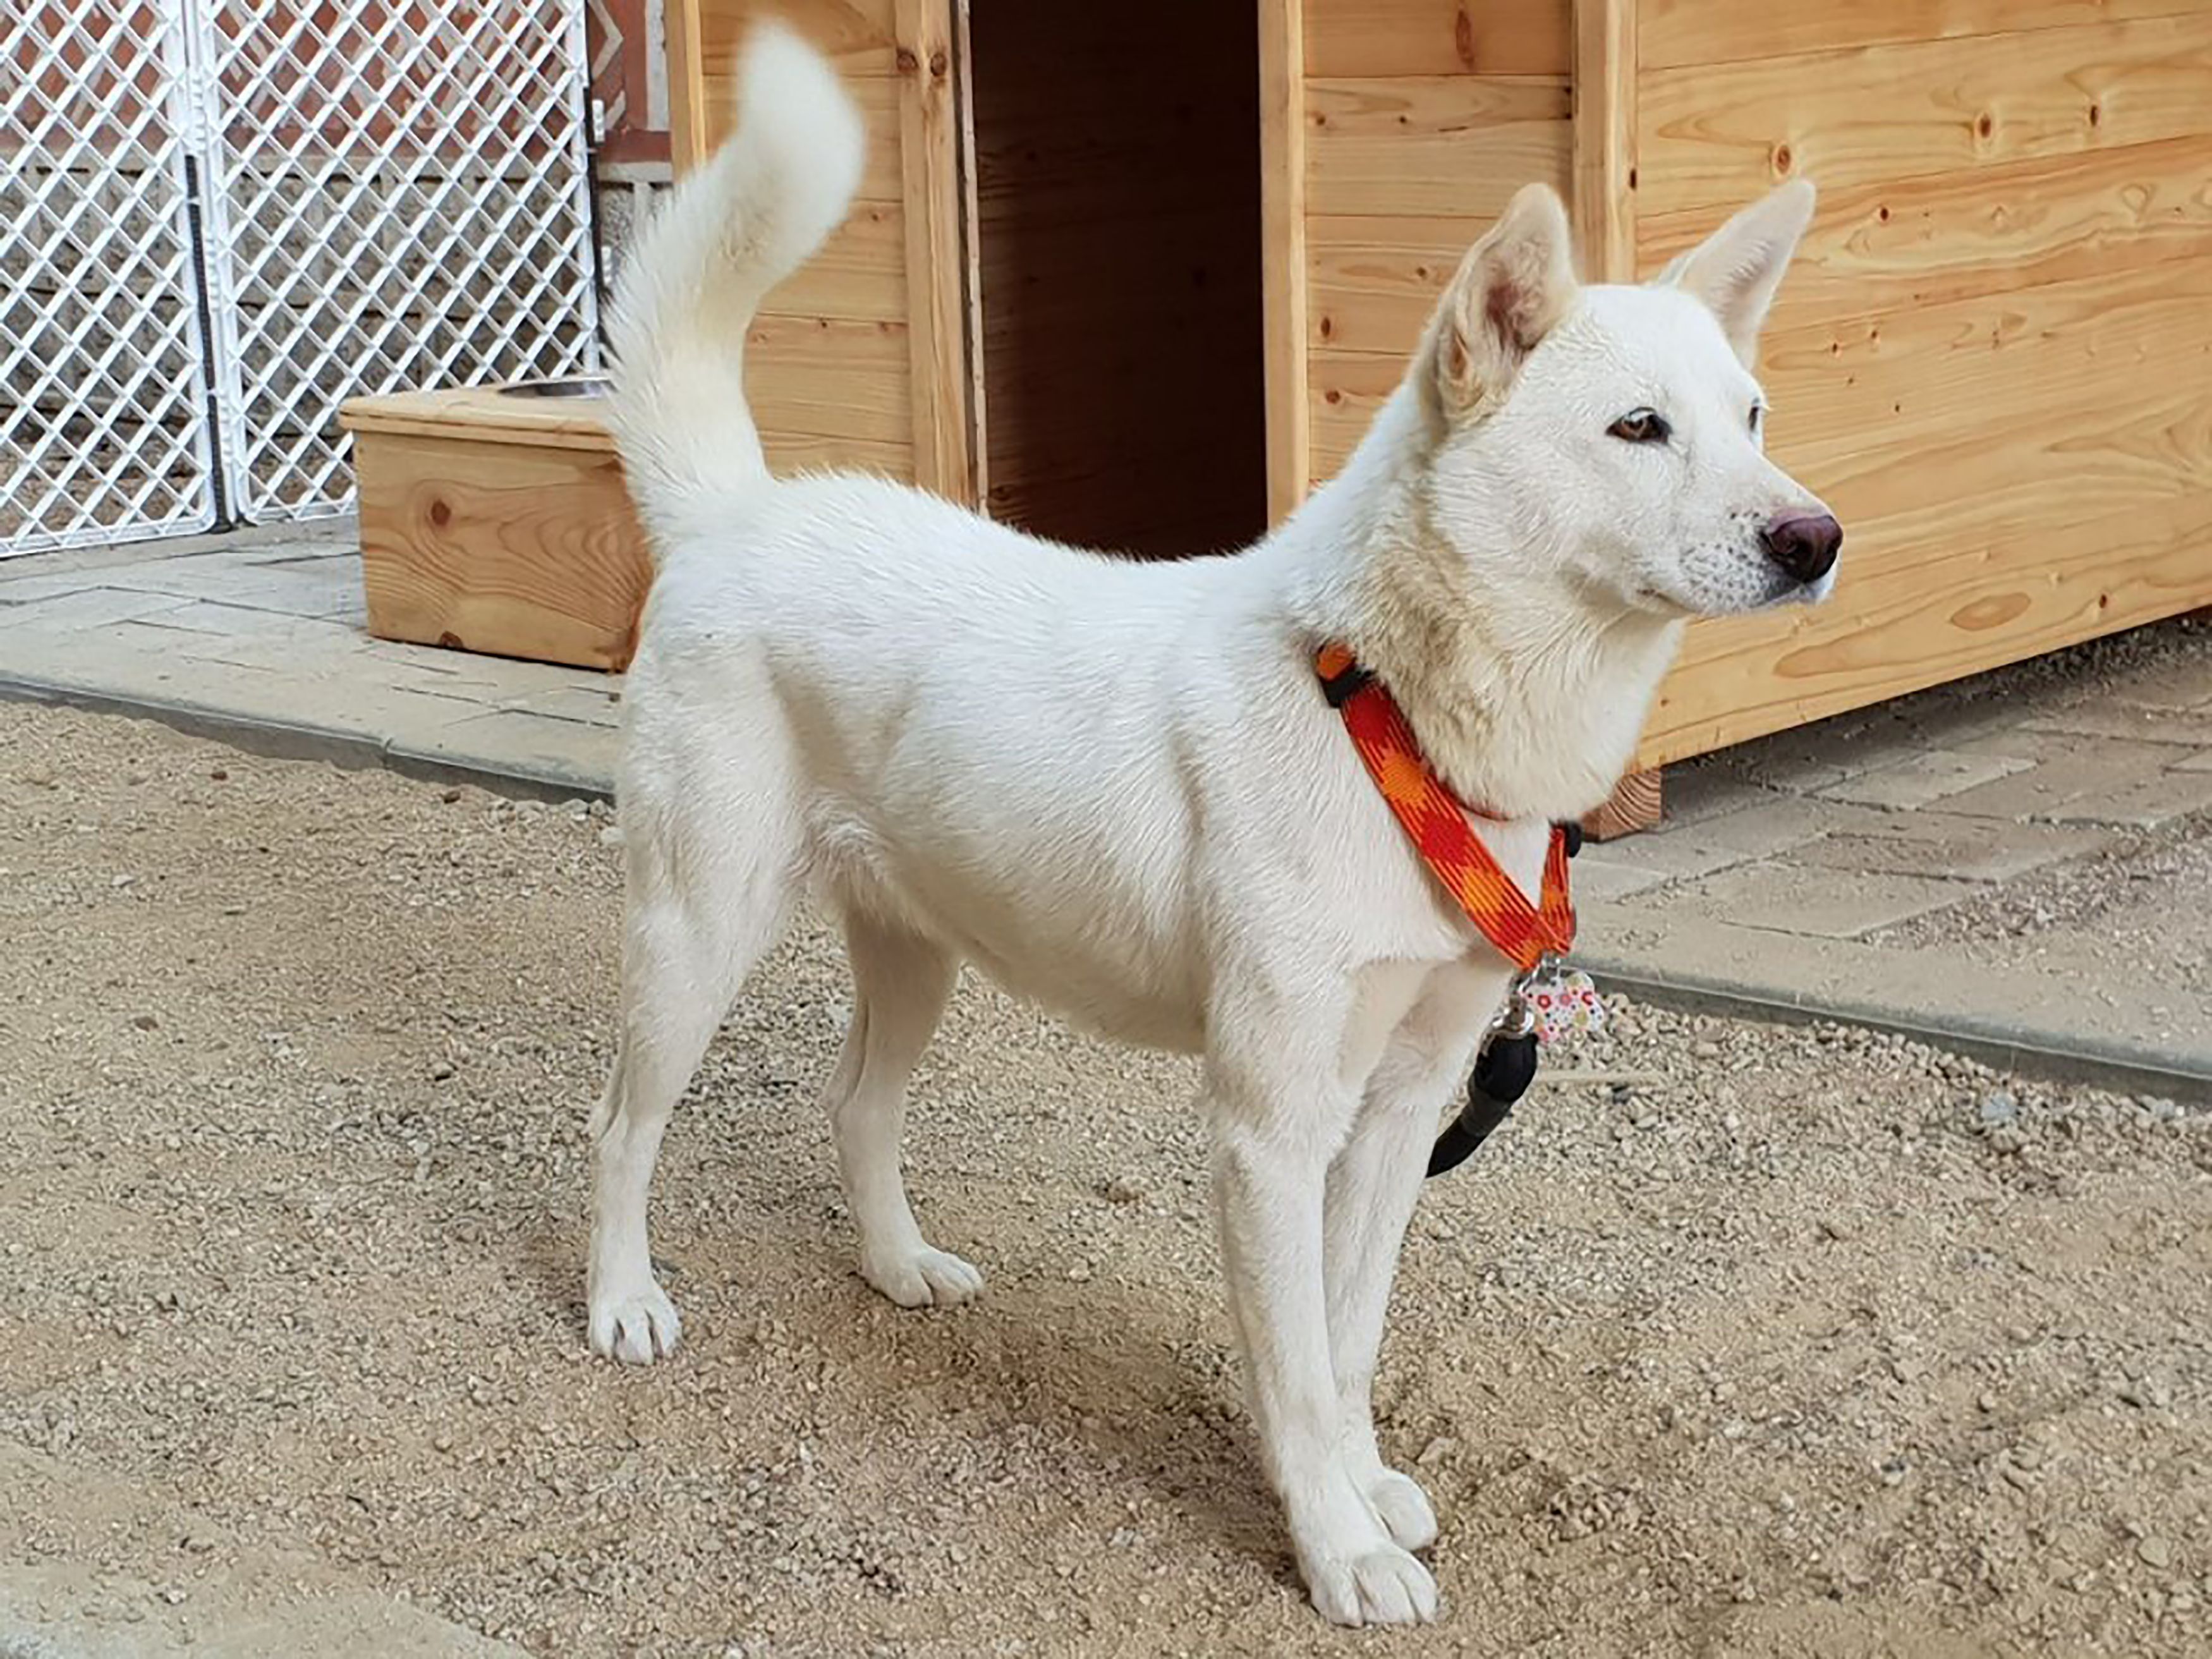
(1385, 1586)
(636, 1329)
(1403, 1509)
(923, 1277)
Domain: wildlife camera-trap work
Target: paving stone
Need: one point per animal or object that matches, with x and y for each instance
(562, 751)
(328, 588)
(510, 677)
(1782, 896)
(21, 583)
(1951, 845)
(308, 648)
(597, 704)
(2183, 682)
(1810, 757)
(248, 623)
(1775, 823)
(2200, 762)
(1675, 854)
(84, 608)
(1701, 790)
(1600, 880)
(2079, 769)
(2191, 728)
(2145, 803)
(1922, 779)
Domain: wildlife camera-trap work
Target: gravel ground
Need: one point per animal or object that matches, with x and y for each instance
(1791, 1341)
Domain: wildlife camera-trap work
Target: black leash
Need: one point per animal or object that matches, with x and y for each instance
(1503, 1070)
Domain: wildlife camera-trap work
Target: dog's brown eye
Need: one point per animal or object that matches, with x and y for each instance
(1758, 418)
(1641, 426)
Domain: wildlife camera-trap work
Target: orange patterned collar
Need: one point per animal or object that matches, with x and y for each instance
(1435, 821)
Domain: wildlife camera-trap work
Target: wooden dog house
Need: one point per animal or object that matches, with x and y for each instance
(1137, 276)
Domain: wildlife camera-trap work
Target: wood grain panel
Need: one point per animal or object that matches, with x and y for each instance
(514, 549)
(829, 377)
(2076, 400)
(877, 95)
(1604, 158)
(689, 139)
(1436, 37)
(939, 329)
(859, 275)
(1373, 280)
(2042, 587)
(829, 362)
(1679, 31)
(1716, 136)
(1284, 271)
(1433, 147)
(1890, 247)
(476, 411)
(2015, 473)
(1635, 804)
(1347, 391)
(860, 37)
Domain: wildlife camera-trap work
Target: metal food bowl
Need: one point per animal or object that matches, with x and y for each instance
(582, 386)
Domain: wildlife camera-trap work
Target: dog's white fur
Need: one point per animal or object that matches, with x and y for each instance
(1115, 786)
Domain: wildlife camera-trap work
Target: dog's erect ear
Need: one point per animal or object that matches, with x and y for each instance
(1736, 270)
(1510, 291)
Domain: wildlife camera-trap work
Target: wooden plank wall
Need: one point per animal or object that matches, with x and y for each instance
(828, 361)
(1117, 165)
(1420, 120)
(1994, 355)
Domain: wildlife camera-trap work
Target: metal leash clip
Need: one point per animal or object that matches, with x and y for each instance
(1506, 1063)
(1504, 1068)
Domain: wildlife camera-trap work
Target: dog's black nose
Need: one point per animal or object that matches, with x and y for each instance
(1804, 544)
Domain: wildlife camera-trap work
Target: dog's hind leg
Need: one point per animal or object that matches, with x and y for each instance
(1373, 1185)
(900, 983)
(710, 892)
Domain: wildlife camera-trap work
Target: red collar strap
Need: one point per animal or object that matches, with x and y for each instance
(1435, 821)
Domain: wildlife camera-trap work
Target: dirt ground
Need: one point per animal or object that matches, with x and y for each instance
(1788, 1342)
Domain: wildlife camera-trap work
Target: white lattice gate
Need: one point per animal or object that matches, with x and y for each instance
(219, 219)
(104, 428)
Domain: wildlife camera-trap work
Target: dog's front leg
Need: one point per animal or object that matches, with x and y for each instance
(1373, 1186)
(1276, 1123)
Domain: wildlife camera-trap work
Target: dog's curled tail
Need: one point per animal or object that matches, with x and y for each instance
(737, 225)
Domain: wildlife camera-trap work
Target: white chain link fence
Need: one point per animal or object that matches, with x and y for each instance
(390, 194)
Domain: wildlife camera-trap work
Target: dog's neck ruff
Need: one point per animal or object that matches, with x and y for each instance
(1436, 821)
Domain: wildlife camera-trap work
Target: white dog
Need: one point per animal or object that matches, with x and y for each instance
(1116, 786)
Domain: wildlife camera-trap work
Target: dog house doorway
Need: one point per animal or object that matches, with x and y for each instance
(1117, 177)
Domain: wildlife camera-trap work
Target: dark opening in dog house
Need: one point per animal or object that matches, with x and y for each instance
(1116, 156)
(1046, 300)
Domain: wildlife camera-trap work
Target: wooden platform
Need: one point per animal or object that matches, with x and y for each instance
(496, 522)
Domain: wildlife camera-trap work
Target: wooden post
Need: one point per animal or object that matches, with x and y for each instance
(1634, 806)
(938, 295)
(1283, 250)
(687, 108)
(1604, 163)
(1604, 211)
